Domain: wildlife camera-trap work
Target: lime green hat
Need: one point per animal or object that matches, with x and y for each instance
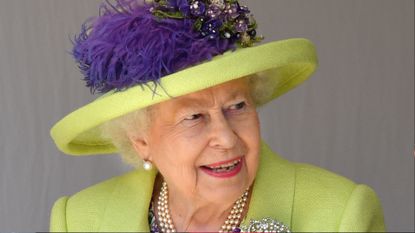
(286, 63)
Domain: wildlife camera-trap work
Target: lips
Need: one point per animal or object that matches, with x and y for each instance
(224, 169)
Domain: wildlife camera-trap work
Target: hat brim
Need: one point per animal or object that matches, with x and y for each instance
(287, 62)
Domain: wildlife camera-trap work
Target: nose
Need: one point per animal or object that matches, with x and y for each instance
(222, 135)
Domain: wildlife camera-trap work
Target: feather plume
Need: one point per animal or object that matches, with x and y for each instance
(127, 45)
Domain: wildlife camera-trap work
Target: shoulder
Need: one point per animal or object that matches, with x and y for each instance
(306, 177)
(94, 197)
(321, 195)
(322, 200)
(85, 210)
(310, 178)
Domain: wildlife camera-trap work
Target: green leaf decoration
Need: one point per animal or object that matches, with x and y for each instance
(173, 15)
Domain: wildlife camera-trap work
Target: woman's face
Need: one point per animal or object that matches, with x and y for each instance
(192, 136)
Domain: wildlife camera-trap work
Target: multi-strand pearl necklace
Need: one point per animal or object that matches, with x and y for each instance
(166, 222)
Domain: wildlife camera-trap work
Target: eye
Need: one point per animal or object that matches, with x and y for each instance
(238, 106)
(193, 117)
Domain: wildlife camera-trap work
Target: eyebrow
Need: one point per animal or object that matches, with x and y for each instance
(194, 104)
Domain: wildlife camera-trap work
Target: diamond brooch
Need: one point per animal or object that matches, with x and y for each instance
(265, 225)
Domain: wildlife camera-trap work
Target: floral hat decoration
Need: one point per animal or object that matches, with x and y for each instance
(138, 53)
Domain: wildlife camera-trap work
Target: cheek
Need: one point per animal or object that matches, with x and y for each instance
(173, 155)
(248, 130)
(249, 133)
(176, 159)
(192, 131)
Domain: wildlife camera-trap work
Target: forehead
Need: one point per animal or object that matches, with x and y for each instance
(207, 97)
(227, 89)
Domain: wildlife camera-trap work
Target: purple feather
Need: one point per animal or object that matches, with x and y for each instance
(127, 45)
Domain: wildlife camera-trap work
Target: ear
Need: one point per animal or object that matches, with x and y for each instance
(141, 146)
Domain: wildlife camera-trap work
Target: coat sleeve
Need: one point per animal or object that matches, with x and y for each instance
(363, 212)
(58, 216)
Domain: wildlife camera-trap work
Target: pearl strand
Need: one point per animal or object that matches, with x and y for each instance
(166, 223)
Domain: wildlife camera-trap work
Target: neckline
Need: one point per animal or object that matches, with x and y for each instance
(272, 196)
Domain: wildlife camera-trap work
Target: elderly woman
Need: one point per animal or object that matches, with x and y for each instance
(182, 82)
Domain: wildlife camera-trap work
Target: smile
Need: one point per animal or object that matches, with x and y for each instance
(224, 169)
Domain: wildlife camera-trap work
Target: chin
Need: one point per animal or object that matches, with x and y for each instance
(226, 190)
(224, 196)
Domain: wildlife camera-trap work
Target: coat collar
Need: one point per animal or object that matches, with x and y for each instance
(272, 196)
(127, 208)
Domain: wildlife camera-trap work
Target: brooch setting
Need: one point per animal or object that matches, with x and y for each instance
(265, 225)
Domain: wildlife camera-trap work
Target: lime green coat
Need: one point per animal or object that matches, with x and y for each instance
(303, 197)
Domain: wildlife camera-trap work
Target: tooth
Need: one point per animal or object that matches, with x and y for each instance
(227, 166)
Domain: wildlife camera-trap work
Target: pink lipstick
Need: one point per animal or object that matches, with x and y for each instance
(224, 169)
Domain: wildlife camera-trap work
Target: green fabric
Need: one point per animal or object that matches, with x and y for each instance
(287, 63)
(304, 197)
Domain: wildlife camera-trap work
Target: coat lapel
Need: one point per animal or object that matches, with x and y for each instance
(273, 189)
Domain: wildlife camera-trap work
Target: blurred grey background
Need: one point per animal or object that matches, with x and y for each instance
(355, 116)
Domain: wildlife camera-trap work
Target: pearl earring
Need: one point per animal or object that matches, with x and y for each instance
(147, 165)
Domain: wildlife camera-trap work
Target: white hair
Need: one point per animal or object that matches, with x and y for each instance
(122, 130)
